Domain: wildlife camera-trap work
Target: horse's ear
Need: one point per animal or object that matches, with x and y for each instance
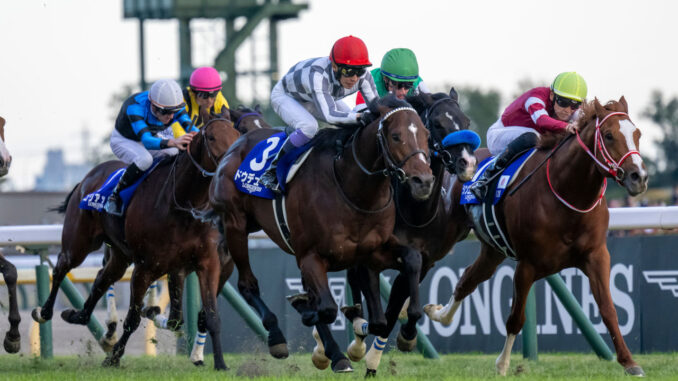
(225, 113)
(257, 108)
(454, 95)
(622, 100)
(600, 110)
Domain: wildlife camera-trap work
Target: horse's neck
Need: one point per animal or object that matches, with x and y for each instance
(189, 183)
(355, 181)
(574, 174)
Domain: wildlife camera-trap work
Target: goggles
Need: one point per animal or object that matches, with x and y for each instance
(350, 71)
(167, 111)
(566, 102)
(206, 94)
(400, 85)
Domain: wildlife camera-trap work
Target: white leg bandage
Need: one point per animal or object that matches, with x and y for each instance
(198, 347)
(504, 359)
(373, 357)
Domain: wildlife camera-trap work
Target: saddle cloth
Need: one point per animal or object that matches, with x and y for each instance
(97, 199)
(502, 181)
(259, 159)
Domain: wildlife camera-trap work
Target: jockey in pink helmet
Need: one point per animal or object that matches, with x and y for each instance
(204, 91)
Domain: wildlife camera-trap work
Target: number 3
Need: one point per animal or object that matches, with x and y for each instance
(258, 165)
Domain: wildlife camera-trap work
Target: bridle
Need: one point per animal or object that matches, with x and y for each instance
(202, 170)
(610, 166)
(236, 125)
(436, 141)
(392, 169)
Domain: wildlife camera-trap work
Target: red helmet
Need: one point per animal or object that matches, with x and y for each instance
(350, 51)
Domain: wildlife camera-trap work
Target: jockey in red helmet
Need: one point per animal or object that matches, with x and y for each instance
(313, 89)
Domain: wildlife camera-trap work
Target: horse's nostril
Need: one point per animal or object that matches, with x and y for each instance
(463, 163)
(417, 180)
(635, 177)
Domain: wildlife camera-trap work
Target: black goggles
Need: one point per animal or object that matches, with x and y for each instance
(166, 111)
(350, 71)
(206, 94)
(400, 85)
(566, 102)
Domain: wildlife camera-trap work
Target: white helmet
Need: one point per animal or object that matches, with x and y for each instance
(166, 94)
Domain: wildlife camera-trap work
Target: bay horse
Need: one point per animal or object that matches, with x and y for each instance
(159, 234)
(429, 227)
(559, 219)
(339, 208)
(12, 342)
(246, 119)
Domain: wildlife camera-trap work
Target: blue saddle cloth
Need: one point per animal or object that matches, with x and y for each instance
(259, 159)
(97, 199)
(467, 197)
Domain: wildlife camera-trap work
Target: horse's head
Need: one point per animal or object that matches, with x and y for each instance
(5, 157)
(247, 119)
(213, 140)
(451, 141)
(615, 142)
(404, 143)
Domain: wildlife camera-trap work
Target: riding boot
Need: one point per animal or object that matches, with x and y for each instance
(270, 178)
(517, 146)
(114, 203)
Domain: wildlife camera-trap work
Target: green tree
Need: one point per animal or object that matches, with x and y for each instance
(482, 107)
(664, 113)
(101, 152)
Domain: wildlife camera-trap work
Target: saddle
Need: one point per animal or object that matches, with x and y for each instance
(483, 214)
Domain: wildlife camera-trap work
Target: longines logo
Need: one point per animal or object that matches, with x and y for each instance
(666, 279)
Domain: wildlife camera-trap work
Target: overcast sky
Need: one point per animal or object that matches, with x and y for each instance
(60, 61)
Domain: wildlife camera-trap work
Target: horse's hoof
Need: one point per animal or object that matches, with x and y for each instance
(431, 309)
(150, 312)
(352, 312)
(635, 371)
(107, 343)
(279, 351)
(370, 373)
(74, 317)
(199, 363)
(320, 361)
(109, 361)
(405, 345)
(342, 366)
(298, 300)
(36, 314)
(356, 351)
(12, 346)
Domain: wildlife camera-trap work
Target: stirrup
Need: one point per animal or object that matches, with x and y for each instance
(114, 205)
(269, 180)
(479, 189)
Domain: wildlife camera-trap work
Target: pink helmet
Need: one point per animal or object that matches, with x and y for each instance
(205, 79)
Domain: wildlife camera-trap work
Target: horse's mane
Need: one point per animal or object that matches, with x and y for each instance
(420, 101)
(586, 114)
(245, 109)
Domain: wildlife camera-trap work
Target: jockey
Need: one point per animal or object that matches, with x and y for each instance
(143, 132)
(313, 89)
(398, 74)
(537, 111)
(204, 91)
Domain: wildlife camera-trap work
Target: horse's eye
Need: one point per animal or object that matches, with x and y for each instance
(211, 138)
(608, 136)
(395, 137)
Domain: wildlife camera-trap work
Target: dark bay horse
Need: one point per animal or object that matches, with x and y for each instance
(159, 234)
(339, 208)
(429, 227)
(559, 219)
(12, 342)
(246, 119)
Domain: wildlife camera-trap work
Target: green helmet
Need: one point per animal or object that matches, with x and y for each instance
(570, 85)
(400, 65)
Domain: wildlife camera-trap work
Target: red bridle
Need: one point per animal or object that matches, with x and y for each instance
(610, 166)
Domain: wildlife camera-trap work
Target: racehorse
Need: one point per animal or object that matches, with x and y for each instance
(246, 119)
(559, 219)
(158, 234)
(339, 208)
(12, 342)
(429, 227)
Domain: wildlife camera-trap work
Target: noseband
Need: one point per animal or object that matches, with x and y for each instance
(236, 125)
(436, 142)
(392, 168)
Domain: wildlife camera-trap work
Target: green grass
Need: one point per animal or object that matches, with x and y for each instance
(394, 365)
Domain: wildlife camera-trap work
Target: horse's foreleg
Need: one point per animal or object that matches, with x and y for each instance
(63, 266)
(175, 285)
(412, 272)
(141, 280)
(598, 271)
(523, 279)
(249, 289)
(481, 270)
(12, 342)
(208, 276)
(396, 301)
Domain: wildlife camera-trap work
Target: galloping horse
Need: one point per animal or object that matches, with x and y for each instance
(158, 234)
(559, 219)
(12, 342)
(246, 119)
(339, 208)
(429, 227)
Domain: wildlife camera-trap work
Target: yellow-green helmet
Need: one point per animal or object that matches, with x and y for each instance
(570, 85)
(400, 65)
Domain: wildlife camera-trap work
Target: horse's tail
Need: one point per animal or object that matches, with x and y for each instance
(62, 207)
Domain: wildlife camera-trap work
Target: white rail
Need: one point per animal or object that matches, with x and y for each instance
(661, 217)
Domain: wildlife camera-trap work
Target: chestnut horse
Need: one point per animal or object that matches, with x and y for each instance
(12, 342)
(428, 227)
(559, 219)
(339, 208)
(158, 234)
